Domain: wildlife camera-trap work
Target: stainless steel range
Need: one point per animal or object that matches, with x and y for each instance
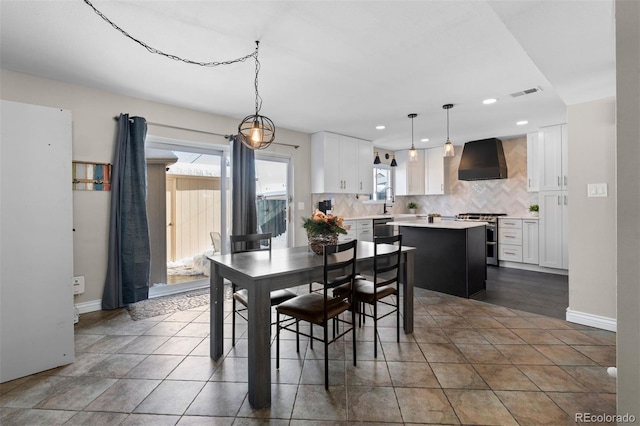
(492, 231)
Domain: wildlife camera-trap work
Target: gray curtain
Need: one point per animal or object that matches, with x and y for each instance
(244, 216)
(129, 248)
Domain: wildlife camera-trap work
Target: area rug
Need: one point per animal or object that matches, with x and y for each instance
(168, 304)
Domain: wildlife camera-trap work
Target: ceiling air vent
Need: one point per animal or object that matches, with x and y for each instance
(526, 92)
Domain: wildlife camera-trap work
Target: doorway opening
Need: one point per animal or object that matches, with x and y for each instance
(188, 207)
(272, 198)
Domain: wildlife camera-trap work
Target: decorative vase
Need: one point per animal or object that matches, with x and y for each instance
(317, 242)
(412, 211)
(534, 214)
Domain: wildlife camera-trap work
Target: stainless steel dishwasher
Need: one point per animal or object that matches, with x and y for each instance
(380, 227)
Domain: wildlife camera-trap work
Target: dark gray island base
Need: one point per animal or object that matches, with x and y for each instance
(450, 257)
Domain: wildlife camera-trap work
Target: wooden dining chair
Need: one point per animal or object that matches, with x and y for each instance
(324, 308)
(383, 286)
(242, 244)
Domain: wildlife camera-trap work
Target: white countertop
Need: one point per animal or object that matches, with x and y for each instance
(519, 217)
(382, 216)
(445, 224)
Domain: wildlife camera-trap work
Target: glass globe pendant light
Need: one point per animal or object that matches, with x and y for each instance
(413, 152)
(257, 131)
(448, 146)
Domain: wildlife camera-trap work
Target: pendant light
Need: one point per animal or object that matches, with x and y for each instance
(413, 152)
(377, 159)
(257, 131)
(448, 146)
(393, 161)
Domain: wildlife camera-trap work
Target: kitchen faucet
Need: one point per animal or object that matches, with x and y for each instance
(386, 197)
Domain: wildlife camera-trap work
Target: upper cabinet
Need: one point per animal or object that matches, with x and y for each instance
(553, 157)
(434, 171)
(340, 164)
(409, 175)
(533, 162)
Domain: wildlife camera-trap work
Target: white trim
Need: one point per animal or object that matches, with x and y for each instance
(90, 306)
(532, 267)
(597, 321)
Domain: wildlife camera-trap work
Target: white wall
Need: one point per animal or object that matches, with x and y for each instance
(94, 131)
(592, 226)
(628, 158)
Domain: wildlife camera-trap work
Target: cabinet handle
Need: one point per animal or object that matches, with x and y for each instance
(566, 200)
(529, 183)
(509, 252)
(442, 187)
(360, 184)
(509, 236)
(558, 200)
(558, 180)
(565, 181)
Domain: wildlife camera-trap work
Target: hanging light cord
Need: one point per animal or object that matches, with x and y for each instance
(258, 97)
(175, 57)
(447, 124)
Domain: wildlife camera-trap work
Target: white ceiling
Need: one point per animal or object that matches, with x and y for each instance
(341, 66)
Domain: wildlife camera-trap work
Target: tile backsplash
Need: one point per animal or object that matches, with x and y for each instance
(508, 196)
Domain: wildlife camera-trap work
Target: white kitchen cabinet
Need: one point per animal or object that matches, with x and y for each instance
(510, 239)
(357, 229)
(336, 162)
(533, 162)
(364, 230)
(553, 229)
(352, 231)
(409, 175)
(434, 171)
(553, 169)
(365, 167)
(530, 241)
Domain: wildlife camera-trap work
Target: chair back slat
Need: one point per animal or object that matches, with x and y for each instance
(250, 242)
(388, 261)
(340, 258)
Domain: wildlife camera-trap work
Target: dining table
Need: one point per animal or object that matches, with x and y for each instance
(260, 272)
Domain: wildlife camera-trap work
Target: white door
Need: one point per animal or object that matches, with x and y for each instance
(36, 244)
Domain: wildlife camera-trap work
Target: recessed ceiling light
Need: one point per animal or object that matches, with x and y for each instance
(490, 101)
(522, 122)
(424, 140)
(380, 127)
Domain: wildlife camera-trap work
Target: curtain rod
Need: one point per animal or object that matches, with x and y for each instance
(205, 132)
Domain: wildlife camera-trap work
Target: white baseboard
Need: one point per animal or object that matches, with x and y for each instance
(597, 321)
(90, 306)
(532, 267)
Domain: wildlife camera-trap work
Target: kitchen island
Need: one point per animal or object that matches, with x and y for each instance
(451, 257)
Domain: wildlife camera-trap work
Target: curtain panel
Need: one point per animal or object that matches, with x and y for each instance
(128, 265)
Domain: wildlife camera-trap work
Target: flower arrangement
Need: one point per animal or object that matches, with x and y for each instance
(323, 224)
(412, 205)
(533, 208)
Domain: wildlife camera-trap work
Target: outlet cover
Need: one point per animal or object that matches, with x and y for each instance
(78, 284)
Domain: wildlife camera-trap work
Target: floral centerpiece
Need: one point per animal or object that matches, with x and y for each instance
(323, 229)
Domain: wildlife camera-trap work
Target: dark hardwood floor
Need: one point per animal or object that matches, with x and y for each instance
(536, 292)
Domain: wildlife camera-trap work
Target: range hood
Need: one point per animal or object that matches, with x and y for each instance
(482, 160)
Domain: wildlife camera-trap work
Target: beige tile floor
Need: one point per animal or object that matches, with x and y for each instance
(467, 362)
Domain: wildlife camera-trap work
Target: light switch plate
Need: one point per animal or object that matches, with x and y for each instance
(596, 190)
(301, 205)
(78, 284)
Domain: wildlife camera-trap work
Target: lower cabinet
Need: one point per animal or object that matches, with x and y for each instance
(554, 228)
(530, 241)
(361, 230)
(510, 239)
(518, 240)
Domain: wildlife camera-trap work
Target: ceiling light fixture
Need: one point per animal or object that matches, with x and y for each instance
(377, 159)
(413, 152)
(424, 140)
(448, 146)
(394, 163)
(522, 122)
(490, 101)
(257, 131)
(380, 127)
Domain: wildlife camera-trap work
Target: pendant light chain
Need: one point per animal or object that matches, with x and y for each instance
(169, 55)
(258, 97)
